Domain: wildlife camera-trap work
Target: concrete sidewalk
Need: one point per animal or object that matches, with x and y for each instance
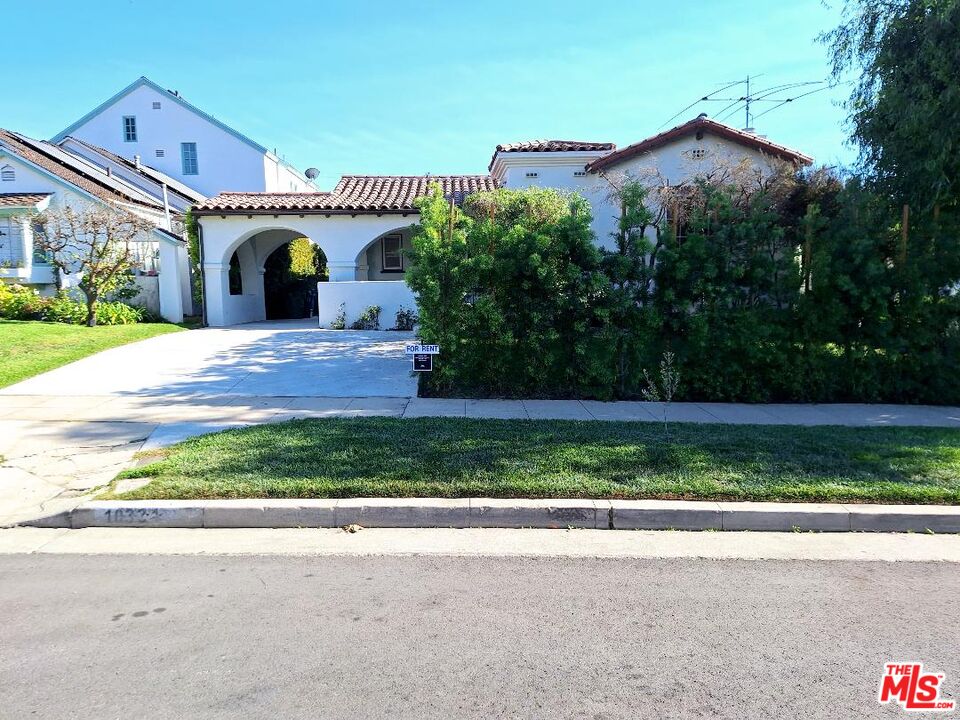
(250, 409)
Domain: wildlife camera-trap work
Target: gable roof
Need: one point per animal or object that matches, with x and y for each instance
(144, 81)
(551, 146)
(354, 194)
(74, 170)
(701, 124)
(174, 186)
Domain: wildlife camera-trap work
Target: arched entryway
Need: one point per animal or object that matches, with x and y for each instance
(271, 275)
(290, 277)
(386, 257)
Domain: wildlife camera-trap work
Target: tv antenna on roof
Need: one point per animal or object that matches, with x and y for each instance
(771, 94)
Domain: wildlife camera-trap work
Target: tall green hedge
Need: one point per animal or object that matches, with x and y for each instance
(810, 291)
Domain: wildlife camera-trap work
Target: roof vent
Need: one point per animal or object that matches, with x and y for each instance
(311, 173)
(136, 161)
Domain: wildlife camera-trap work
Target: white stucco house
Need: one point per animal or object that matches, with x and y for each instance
(362, 225)
(153, 126)
(36, 175)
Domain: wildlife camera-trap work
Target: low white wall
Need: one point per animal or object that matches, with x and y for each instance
(149, 297)
(358, 295)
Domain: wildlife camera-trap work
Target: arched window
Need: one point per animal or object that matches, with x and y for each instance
(7, 174)
(235, 276)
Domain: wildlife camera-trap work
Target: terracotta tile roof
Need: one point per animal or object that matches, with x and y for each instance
(698, 124)
(21, 199)
(66, 167)
(353, 194)
(551, 146)
(554, 146)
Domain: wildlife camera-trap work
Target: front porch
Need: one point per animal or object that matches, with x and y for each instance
(364, 258)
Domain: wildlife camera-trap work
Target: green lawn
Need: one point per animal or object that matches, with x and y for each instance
(449, 457)
(30, 348)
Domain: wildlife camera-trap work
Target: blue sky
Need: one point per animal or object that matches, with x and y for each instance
(412, 87)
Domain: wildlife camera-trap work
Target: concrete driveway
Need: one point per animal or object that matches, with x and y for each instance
(285, 358)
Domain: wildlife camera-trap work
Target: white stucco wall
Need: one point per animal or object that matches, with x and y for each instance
(280, 177)
(224, 161)
(357, 296)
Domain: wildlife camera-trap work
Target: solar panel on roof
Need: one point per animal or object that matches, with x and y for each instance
(89, 170)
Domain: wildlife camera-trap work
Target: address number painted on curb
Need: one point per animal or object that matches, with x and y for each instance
(422, 350)
(128, 516)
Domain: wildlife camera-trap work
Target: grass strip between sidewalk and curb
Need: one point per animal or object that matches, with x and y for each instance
(456, 457)
(28, 348)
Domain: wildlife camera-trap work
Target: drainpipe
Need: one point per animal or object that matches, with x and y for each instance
(203, 284)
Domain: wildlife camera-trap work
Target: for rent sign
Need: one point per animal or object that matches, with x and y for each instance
(423, 350)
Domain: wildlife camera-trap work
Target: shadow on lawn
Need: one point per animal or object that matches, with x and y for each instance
(382, 456)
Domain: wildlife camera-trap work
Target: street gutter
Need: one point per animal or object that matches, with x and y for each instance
(509, 513)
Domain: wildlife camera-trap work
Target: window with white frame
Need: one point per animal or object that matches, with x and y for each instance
(392, 249)
(7, 174)
(188, 156)
(11, 242)
(129, 128)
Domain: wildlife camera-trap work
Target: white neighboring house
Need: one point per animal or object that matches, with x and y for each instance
(363, 224)
(695, 148)
(147, 124)
(37, 175)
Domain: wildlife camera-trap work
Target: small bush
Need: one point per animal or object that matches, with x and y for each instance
(116, 313)
(62, 309)
(340, 322)
(406, 319)
(369, 319)
(21, 303)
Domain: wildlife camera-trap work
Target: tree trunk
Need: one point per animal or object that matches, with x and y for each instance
(91, 311)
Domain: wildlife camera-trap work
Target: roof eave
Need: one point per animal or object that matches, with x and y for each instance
(200, 212)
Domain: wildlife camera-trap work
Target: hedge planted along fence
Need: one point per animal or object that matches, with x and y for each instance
(801, 290)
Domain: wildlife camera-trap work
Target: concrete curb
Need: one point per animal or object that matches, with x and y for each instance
(514, 513)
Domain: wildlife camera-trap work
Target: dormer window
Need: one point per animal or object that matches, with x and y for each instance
(7, 174)
(129, 128)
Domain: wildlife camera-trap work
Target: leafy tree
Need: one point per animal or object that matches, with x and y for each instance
(906, 100)
(440, 278)
(290, 280)
(513, 294)
(97, 244)
(725, 294)
(630, 268)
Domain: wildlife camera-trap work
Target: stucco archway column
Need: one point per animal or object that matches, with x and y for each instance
(342, 270)
(216, 282)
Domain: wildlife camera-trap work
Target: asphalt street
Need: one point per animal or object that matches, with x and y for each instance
(110, 636)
